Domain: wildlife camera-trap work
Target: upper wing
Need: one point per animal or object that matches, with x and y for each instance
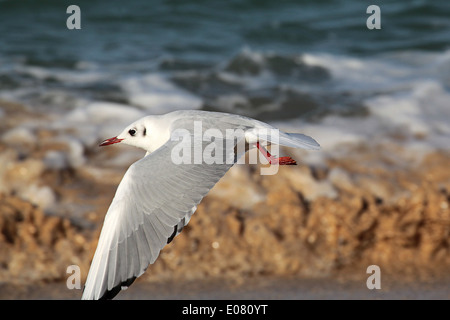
(154, 200)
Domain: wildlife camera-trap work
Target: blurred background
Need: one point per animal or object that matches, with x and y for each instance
(376, 100)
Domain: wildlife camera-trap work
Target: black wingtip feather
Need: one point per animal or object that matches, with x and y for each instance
(174, 233)
(110, 294)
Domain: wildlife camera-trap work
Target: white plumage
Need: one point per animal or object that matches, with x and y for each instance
(156, 197)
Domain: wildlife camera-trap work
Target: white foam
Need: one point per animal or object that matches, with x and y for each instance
(99, 112)
(98, 120)
(405, 93)
(84, 75)
(424, 110)
(361, 74)
(155, 93)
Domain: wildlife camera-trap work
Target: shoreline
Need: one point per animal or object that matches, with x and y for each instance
(260, 288)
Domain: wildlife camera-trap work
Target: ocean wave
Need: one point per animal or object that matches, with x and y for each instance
(337, 98)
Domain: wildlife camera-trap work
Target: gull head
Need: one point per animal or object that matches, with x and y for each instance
(136, 134)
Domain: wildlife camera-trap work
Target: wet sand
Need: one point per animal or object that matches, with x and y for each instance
(255, 289)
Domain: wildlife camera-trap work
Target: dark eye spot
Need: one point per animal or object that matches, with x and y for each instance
(145, 132)
(132, 132)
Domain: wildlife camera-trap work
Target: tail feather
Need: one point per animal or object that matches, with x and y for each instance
(298, 140)
(293, 140)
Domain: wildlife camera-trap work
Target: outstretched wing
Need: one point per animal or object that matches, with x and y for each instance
(153, 202)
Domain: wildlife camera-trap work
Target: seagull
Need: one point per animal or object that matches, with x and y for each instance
(157, 195)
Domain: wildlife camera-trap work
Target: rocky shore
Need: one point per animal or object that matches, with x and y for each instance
(369, 205)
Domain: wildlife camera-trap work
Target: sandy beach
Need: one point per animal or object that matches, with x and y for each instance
(318, 225)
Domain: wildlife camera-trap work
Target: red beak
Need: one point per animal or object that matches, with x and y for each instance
(107, 142)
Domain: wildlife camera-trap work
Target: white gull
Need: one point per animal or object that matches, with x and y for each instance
(157, 197)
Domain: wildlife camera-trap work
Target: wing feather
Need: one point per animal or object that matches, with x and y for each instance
(154, 197)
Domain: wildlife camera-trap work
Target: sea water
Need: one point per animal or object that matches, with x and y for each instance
(311, 67)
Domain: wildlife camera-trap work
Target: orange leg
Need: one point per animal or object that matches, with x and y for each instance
(272, 160)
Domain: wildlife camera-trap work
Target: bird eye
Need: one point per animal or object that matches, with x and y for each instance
(132, 132)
